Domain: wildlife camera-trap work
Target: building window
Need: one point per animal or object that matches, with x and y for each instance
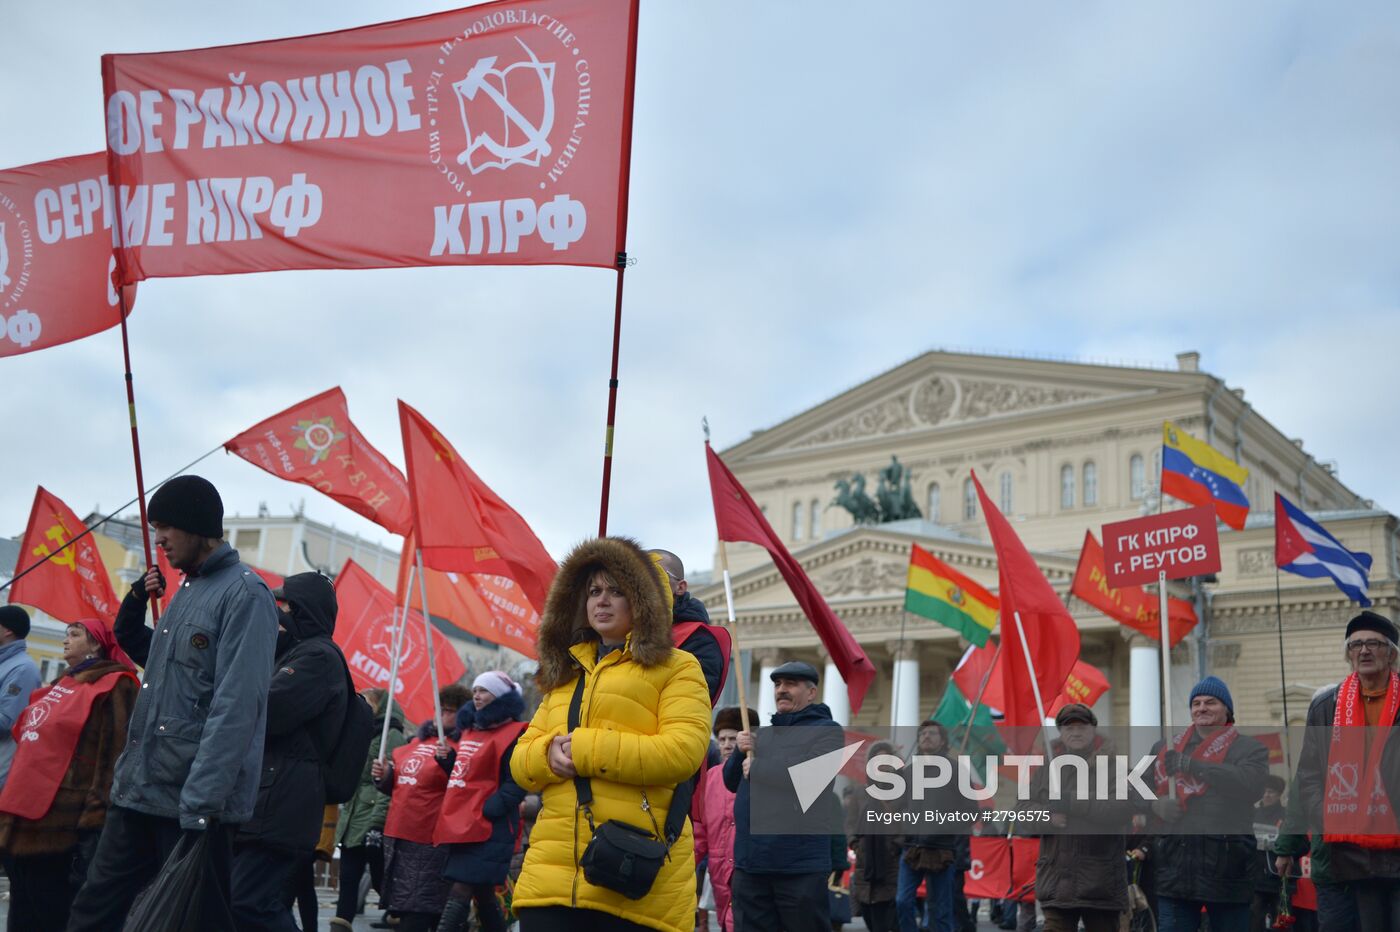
(248, 540)
(935, 502)
(1067, 486)
(1091, 484)
(969, 500)
(814, 525)
(796, 520)
(1137, 477)
(1006, 493)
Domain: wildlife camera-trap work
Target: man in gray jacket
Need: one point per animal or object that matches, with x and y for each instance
(18, 678)
(194, 749)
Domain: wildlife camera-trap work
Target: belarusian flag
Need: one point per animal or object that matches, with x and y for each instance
(939, 592)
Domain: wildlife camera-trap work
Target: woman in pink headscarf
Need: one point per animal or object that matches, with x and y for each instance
(55, 802)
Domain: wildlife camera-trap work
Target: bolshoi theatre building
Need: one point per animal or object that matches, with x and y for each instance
(1062, 448)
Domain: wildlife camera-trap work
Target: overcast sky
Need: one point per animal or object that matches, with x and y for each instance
(819, 192)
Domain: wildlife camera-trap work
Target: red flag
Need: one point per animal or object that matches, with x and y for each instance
(56, 254)
(1050, 633)
(1131, 605)
(315, 443)
(990, 878)
(738, 518)
(72, 585)
(976, 665)
(1085, 684)
(492, 608)
(495, 134)
(462, 525)
(364, 629)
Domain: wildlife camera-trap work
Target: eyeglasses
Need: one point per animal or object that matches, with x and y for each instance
(1356, 647)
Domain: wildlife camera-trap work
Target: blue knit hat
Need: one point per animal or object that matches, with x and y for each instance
(1214, 686)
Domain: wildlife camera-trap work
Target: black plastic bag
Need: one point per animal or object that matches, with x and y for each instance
(185, 895)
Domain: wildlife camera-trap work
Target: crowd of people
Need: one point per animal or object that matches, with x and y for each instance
(625, 800)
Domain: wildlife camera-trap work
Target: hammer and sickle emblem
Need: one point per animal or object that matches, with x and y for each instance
(486, 79)
(1346, 781)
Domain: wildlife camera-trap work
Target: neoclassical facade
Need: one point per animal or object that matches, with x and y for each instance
(1062, 448)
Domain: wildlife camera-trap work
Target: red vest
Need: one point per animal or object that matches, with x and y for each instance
(684, 629)
(475, 776)
(417, 798)
(46, 735)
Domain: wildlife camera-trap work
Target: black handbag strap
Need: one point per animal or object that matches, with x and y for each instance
(680, 799)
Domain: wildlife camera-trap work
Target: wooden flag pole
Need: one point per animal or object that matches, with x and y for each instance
(1035, 683)
(428, 636)
(981, 691)
(400, 623)
(622, 263)
(739, 676)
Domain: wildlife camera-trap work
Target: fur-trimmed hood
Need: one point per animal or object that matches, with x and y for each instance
(564, 624)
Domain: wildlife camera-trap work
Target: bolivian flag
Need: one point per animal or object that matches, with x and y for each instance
(941, 593)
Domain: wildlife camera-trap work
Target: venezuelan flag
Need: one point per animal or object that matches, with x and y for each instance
(942, 594)
(1195, 472)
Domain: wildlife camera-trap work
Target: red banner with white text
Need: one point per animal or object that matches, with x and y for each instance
(1130, 605)
(495, 134)
(56, 263)
(314, 442)
(364, 629)
(73, 584)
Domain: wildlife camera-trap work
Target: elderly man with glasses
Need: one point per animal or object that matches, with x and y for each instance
(1348, 773)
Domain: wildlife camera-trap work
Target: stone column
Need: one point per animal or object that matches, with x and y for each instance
(1145, 691)
(904, 688)
(768, 660)
(834, 692)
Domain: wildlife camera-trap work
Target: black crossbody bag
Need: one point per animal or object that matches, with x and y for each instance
(621, 857)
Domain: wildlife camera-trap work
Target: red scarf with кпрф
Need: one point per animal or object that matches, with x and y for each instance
(1353, 772)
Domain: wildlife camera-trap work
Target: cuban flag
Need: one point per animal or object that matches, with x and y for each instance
(1303, 546)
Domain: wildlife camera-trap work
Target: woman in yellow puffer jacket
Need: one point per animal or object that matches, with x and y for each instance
(644, 726)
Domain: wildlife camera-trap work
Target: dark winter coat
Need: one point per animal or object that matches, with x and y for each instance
(1345, 862)
(1081, 865)
(305, 712)
(413, 880)
(80, 806)
(196, 736)
(784, 854)
(368, 808)
(875, 878)
(488, 862)
(1209, 855)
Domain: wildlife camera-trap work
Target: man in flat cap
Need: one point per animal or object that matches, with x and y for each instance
(194, 750)
(1079, 876)
(1347, 782)
(780, 881)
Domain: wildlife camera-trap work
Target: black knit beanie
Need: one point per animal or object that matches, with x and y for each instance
(190, 503)
(16, 619)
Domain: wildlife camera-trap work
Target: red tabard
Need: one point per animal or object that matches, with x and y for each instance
(1356, 809)
(417, 799)
(45, 738)
(475, 776)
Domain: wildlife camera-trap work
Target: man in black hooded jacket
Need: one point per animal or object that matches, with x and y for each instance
(305, 712)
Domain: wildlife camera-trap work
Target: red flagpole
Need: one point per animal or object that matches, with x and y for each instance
(136, 448)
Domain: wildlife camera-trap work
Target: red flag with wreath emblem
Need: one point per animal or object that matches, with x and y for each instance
(315, 443)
